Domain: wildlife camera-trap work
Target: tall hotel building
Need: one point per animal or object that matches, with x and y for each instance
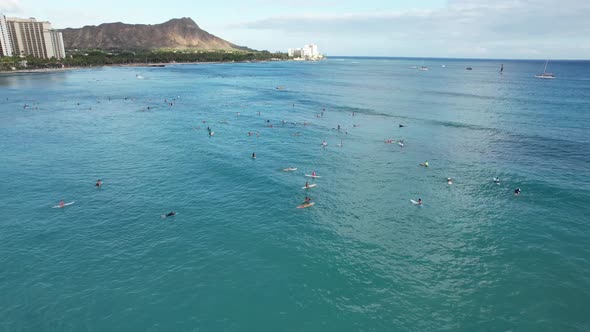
(5, 44)
(20, 36)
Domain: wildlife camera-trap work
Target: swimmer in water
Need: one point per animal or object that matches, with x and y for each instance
(425, 164)
(449, 181)
(517, 191)
(98, 183)
(253, 155)
(170, 214)
(496, 180)
(401, 125)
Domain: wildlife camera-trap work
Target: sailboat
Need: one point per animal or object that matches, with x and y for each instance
(423, 67)
(545, 74)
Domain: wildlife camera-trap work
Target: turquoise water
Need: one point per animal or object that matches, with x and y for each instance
(240, 256)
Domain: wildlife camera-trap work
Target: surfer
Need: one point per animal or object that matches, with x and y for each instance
(517, 191)
(496, 180)
(170, 214)
(306, 184)
(338, 127)
(419, 201)
(501, 68)
(449, 181)
(98, 183)
(209, 129)
(313, 174)
(401, 125)
(425, 164)
(253, 155)
(307, 199)
(62, 203)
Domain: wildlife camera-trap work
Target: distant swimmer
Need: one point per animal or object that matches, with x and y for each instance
(517, 191)
(501, 68)
(338, 127)
(98, 183)
(249, 133)
(208, 129)
(496, 180)
(425, 164)
(324, 143)
(253, 155)
(401, 125)
(449, 181)
(169, 214)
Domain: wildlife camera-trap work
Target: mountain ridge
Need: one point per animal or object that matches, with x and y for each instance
(177, 33)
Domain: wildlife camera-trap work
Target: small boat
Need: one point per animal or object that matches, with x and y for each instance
(468, 68)
(545, 74)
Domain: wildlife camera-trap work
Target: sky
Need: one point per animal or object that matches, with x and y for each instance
(508, 29)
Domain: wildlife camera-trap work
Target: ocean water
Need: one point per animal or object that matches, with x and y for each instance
(240, 256)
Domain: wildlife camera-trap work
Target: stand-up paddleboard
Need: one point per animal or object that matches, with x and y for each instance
(66, 204)
(303, 206)
(310, 186)
(312, 176)
(415, 202)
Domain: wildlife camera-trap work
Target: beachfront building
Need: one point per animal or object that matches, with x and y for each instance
(307, 52)
(5, 44)
(29, 37)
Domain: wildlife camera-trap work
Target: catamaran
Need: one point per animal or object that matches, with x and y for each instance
(545, 73)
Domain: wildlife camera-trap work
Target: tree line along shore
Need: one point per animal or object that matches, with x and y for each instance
(92, 58)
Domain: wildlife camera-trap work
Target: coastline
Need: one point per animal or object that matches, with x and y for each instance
(148, 65)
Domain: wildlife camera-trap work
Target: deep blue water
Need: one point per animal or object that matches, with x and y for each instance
(240, 256)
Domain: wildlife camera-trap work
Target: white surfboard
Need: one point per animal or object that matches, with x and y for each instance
(310, 186)
(303, 206)
(312, 176)
(66, 204)
(289, 169)
(212, 133)
(415, 202)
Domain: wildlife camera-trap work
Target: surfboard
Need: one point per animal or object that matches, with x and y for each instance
(312, 176)
(400, 144)
(66, 204)
(310, 186)
(303, 206)
(290, 169)
(415, 202)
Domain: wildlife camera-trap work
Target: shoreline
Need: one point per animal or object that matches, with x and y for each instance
(147, 65)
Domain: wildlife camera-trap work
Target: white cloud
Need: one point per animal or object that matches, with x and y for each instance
(502, 28)
(10, 6)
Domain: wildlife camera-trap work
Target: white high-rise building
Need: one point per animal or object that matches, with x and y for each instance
(5, 43)
(307, 52)
(28, 36)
